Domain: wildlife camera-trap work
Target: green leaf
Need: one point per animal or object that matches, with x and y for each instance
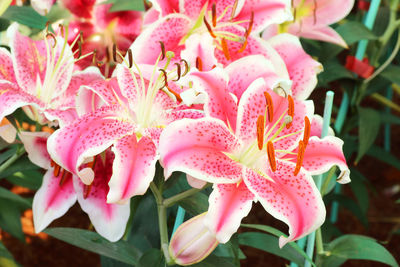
(356, 247)
(31, 179)
(153, 257)
(384, 156)
(10, 219)
(22, 164)
(392, 74)
(278, 233)
(92, 241)
(359, 189)
(195, 204)
(7, 154)
(349, 204)
(369, 122)
(124, 5)
(25, 15)
(214, 261)
(333, 70)
(269, 244)
(6, 258)
(5, 194)
(389, 118)
(354, 31)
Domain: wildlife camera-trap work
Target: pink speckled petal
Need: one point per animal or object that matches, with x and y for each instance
(321, 33)
(253, 104)
(256, 66)
(295, 200)
(35, 144)
(134, 168)
(31, 63)
(255, 46)
(170, 30)
(202, 46)
(192, 242)
(191, 8)
(87, 77)
(316, 126)
(302, 68)
(6, 67)
(327, 11)
(80, 8)
(197, 148)
(219, 103)
(322, 154)
(265, 13)
(63, 117)
(229, 204)
(109, 220)
(12, 97)
(52, 201)
(87, 137)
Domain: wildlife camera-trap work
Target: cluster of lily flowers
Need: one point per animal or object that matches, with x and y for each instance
(214, 89)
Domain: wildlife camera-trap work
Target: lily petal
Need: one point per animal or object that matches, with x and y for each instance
(266, 13)
(133, 169)
(229, 204)
(198, 151)
(6, 67)
(7, 131)
(219, 104)
(295, 200)
(322, 33)
(87, 137)
(201, 46)
(52, 201)
(35, 145)
(316, 127)
(302, 68)
(195, 183)
(109, 220)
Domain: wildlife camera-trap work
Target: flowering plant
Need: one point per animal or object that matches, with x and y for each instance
(143, 112)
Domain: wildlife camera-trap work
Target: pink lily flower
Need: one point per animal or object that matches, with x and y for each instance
(138, 106)
(265, 12)
(190, 30)
(192, 242)
(312, 19)
(60, 190)
(102, 29)
(247, 153)
(38, 76)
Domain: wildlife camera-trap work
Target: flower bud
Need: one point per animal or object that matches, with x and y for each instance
(192, 242)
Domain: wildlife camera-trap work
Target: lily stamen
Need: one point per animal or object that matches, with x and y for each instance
(290, 109)
(199, 64)
(162, 50)
(270, 106)
(64, 177)
(209, 28)
(178, 71)
(271, 155)
(307, 130)
(186, 67)
(56, 171)
(234, 7)
(225, 48)
(214, 14)
(260, 132)
(300, 157)
(86, 190)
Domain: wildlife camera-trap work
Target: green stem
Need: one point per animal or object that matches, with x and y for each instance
(12, 159)
(319, 242)
(162, 222)
(172, 200)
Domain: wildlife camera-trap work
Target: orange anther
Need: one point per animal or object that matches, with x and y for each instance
(162, 50)
(271, 155)
(290, 110)
(300, 156)
(270, 106)
(93, 163)
(260, 132)
(52, 163)
(235, 4)
(225, 49)
(56, 171)
(209, 28)
(248, 31)
(244, 45)
(64, 177)
(177, 96)
(214, 14)
(307, 129)
(199, 64)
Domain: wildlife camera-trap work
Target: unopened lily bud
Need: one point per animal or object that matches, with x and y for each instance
(192, 242)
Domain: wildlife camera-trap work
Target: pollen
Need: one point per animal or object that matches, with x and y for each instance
(214, 15)
(300, 156)
(307, 130)
(199, 64)
(225, 49)
(271, 155)
(260, 132)
(270, 106)
(290, 110)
